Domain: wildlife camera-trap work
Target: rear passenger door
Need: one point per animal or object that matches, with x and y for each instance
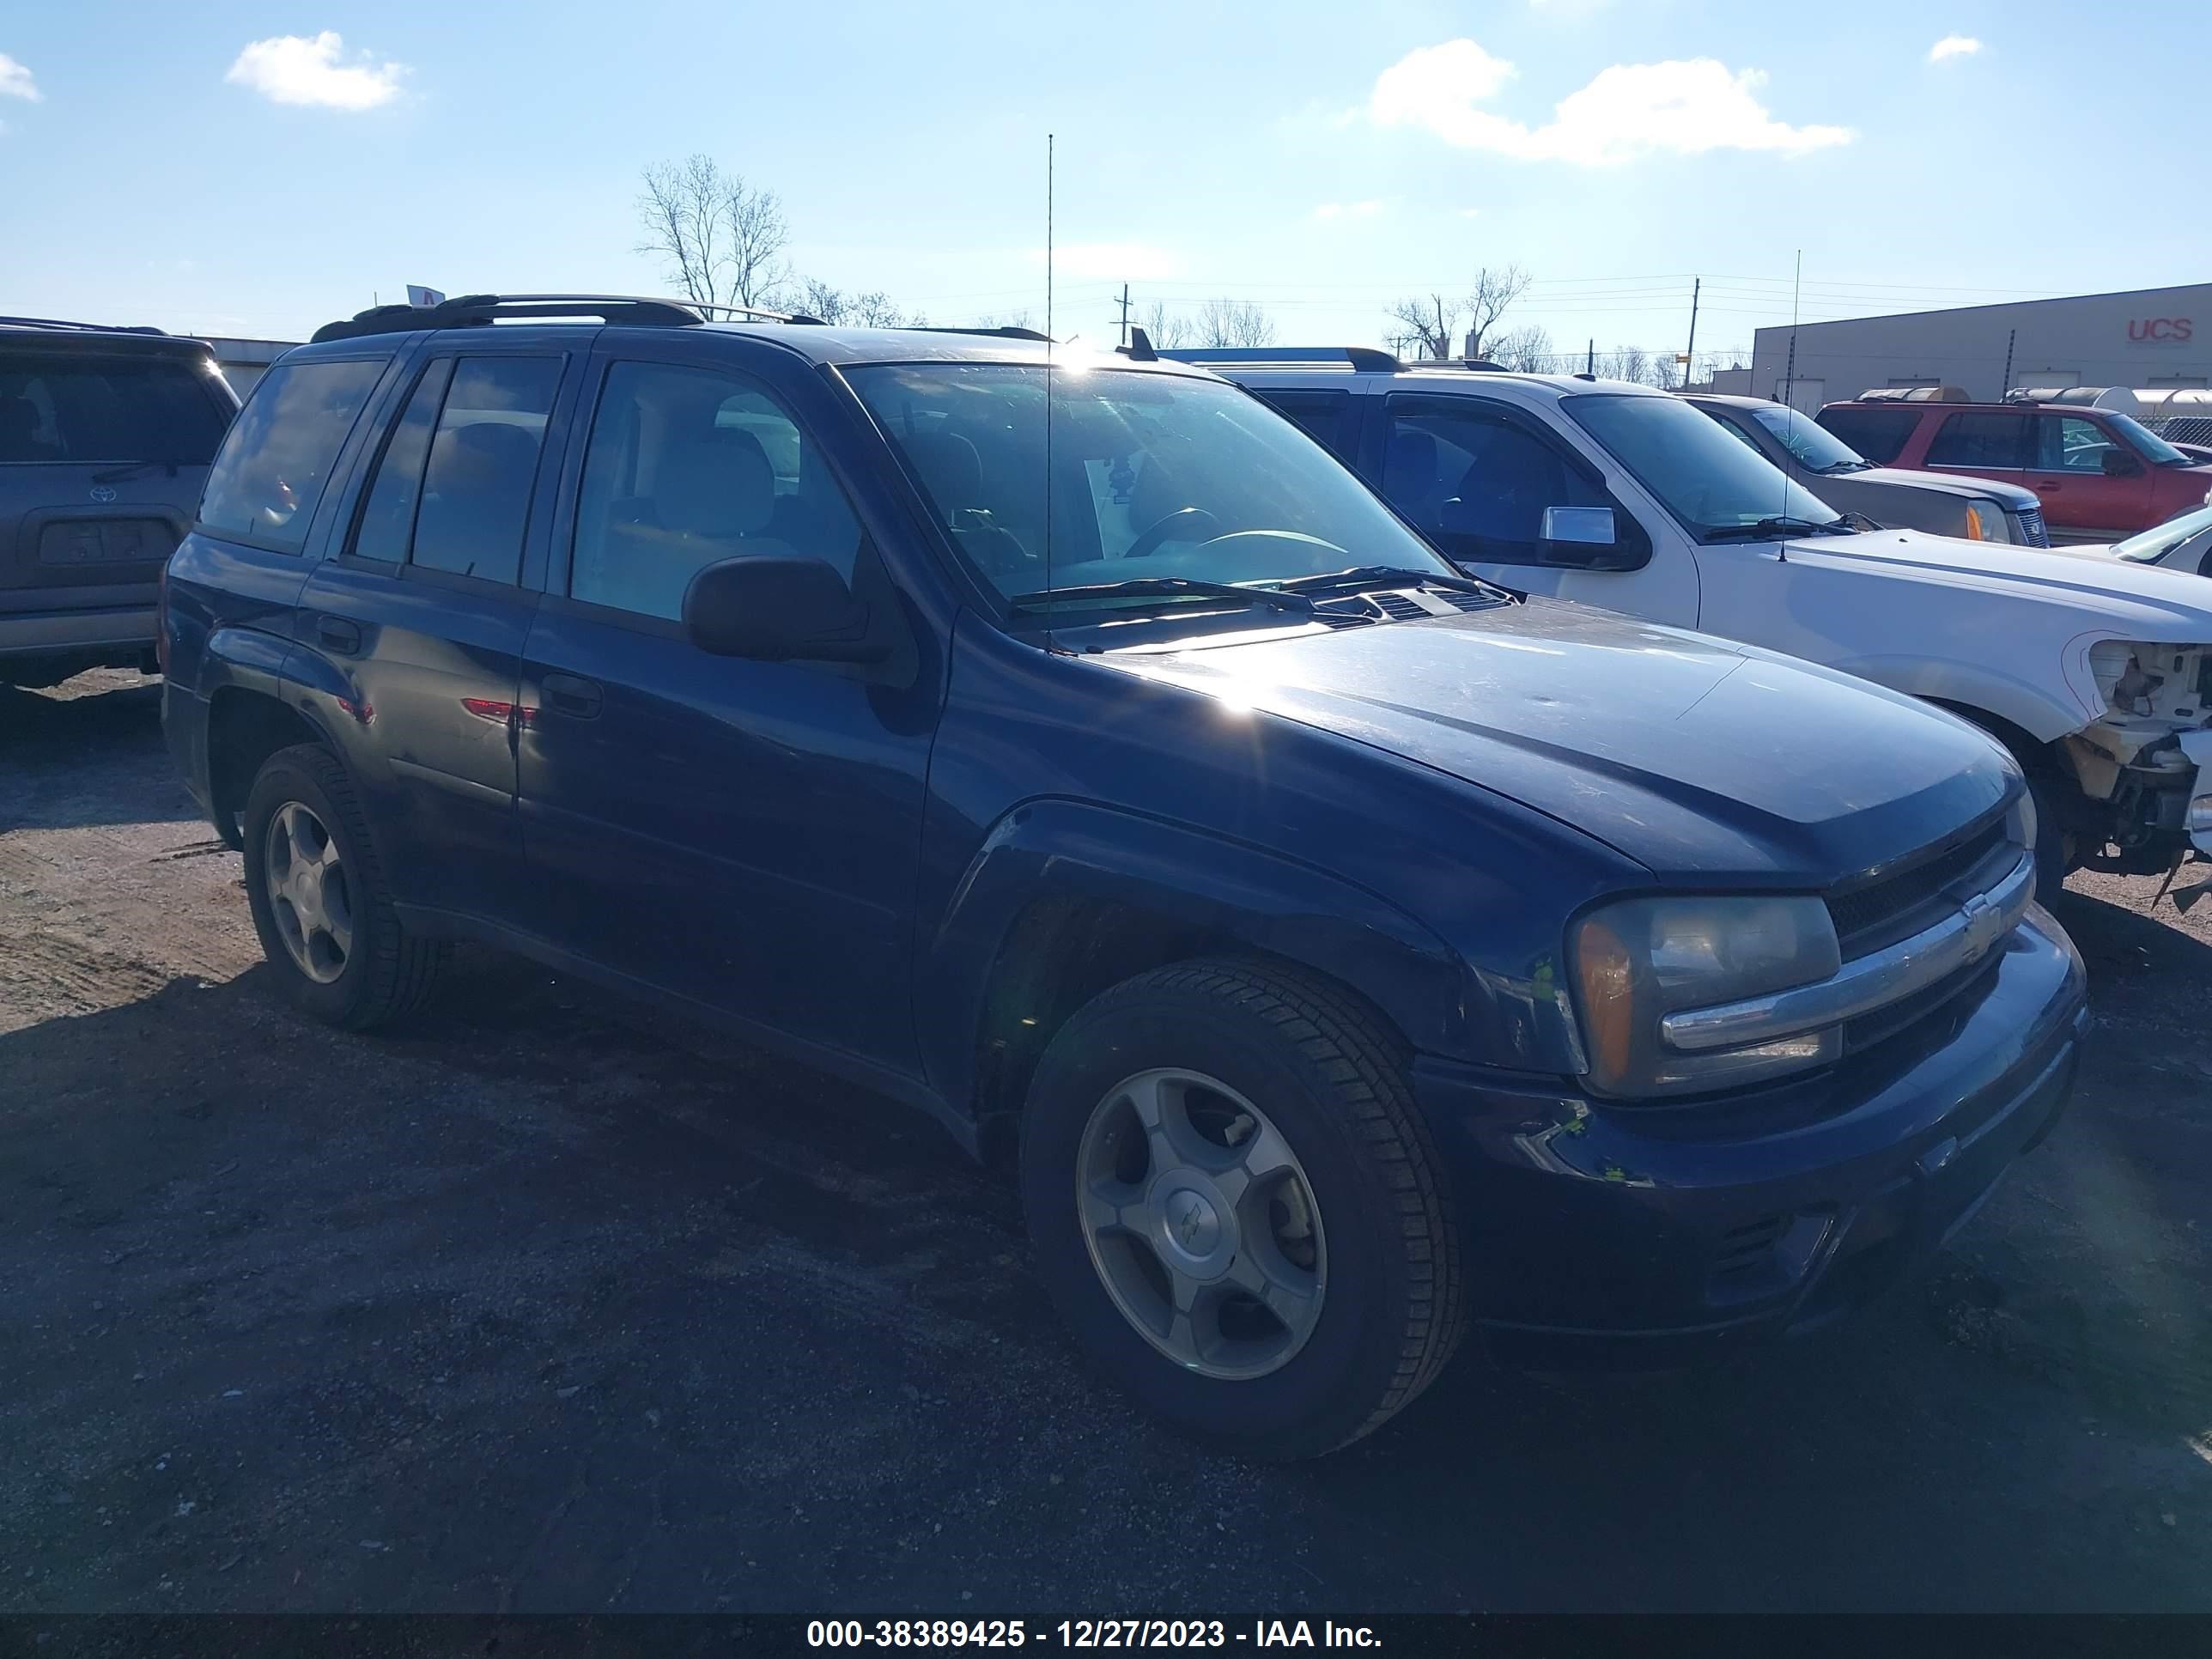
(745, 835)
(1988, 443)
(422, 613)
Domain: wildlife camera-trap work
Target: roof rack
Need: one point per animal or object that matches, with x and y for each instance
(1478, 365)
(1008, 332)
(480, 310)
(1362, 360)
(77, 328)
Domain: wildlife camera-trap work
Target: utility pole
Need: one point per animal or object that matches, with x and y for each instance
(1125, 314)
(1690, 357)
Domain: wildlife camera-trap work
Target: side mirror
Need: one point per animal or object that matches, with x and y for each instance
(2119, 464)
(778, 609)
(1585, 537)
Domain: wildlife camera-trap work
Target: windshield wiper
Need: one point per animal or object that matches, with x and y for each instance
(1167, 587)
(132, 469)
(1767, 530)
(1382, 575)
(1835, 467)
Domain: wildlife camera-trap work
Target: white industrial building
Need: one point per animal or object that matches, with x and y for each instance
(2151, 336)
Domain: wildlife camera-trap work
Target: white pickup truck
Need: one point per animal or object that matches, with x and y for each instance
(2095, 672)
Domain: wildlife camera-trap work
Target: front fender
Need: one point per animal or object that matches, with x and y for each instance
(1219, 893)
(2043, 714)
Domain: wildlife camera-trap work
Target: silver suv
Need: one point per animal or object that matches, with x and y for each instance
(105, 435)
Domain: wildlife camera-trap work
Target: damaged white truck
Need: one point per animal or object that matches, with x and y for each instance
(2095, 672)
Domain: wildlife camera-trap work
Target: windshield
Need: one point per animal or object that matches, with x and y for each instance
(2160, 539)
(1819, 449)
(1710, 481)
(2153, 449)
(1153, 476)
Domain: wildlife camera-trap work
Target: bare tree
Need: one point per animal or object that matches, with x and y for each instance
(1528, 349)
(758, 237)
(1227, 322)
(1626, 363)
(1494, 292)
(1429, 323)
(874, 309)
(719, 238)
(681, 211)
(1165, 329)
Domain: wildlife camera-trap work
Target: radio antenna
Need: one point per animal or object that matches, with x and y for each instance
(1048, 388)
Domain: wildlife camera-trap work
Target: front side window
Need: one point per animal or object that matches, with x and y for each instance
(483, 466)
(1152, 475)
(1475, 483)
(1714, 484)
(2152, 447)
(2067, 443)
(272, 468)
(107, 407)
(1984, 442)
(1817, 449)
(688, 467)
(1880, 434)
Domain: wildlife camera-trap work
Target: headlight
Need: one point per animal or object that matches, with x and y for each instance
(1636, 961)
(1985, 522)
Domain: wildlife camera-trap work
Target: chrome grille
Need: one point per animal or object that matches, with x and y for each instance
(2033, 526)
(1891, 906)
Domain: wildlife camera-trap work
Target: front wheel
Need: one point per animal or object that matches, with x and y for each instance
(1236, 1208)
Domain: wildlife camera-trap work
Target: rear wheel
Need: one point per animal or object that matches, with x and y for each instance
(1235, 1206)
(319, 901)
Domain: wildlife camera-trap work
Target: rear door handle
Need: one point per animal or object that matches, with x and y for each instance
(567, 695)
(339, 633)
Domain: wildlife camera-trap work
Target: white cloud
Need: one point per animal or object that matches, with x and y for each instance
(1954, 45)
(15, 79)
(1683, 107)
(1134, 262)
(294, 68)
(1347, 209)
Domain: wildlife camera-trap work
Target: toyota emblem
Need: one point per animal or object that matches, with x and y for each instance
(103, 492)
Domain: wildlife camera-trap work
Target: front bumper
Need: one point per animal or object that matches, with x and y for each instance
(1662, 1235)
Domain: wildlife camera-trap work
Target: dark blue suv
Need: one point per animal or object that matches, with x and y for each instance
(1342, 950)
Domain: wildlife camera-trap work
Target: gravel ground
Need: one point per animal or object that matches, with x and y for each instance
(548, 1305)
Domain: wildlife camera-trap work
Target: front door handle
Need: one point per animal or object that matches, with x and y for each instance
(567, 695)
(339, 633)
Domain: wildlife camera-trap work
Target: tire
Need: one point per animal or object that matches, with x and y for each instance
(1328, 1078)
(382, 972)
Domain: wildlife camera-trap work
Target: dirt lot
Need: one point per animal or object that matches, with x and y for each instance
(543, 1306)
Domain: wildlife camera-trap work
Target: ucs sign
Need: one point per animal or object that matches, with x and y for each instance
(2170, 330)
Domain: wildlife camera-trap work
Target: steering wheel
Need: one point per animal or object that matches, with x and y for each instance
(1185, 524)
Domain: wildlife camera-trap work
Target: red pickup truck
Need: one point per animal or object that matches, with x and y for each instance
(2100, 474)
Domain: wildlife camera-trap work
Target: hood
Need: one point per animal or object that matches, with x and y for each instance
(2010, 496)
(2100, 595)
(1710, 763)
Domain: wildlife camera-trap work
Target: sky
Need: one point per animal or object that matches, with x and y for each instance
(259, 169)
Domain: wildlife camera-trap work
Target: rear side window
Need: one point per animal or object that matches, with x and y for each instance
(1990, 440)
(272, 468)
(483, 466)
(1877, 433)
(63, 410)
(387, 520)
(1325, 416)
